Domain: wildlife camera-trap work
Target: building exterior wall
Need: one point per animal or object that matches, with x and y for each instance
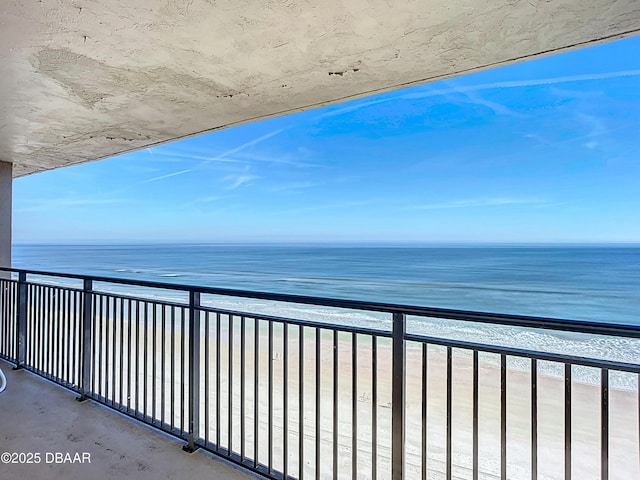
(5, 213)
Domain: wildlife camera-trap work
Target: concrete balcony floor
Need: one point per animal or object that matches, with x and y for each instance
(37, 416)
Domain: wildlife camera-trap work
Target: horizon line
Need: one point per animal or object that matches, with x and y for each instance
(333, 243)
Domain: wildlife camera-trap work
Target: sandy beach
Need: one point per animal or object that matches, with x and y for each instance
(623, 422)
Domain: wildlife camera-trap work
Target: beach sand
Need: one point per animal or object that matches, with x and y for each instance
(623, 423)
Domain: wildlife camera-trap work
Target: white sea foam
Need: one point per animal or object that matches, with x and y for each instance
(626, 350)
(599, 347)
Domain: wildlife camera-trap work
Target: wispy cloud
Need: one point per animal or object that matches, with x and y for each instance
(474, 98)
(237, 180)
(594, 124)
(285, 160)
(155, 179)
(250, 143)
(353, 108)
(479, 202)
(593, 133)
(485, 86)
(181, 156)
(233, 155)
(524, 83)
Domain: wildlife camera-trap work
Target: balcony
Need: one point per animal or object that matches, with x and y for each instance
(399, 396)
(40, 418)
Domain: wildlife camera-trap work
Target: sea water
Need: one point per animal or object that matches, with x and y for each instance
(589, 283)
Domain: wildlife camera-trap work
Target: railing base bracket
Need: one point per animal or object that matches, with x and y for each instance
(189, 449)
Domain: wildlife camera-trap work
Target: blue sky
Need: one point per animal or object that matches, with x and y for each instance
(541, 151)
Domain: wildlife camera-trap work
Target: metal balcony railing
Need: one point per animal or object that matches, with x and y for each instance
(293, 398)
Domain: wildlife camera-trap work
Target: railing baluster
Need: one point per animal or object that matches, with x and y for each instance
(604, 421)
(183, 339)
(194, 371)
(173, 368)
(374, 408)
(30, 353)
(242, 386)
(64, 328)
(534, 419)
(35, 325)
(335, 404)
(101, 342)
(45, 331)
(86, 340)
(20, 345)
(5, 317)
(5, 287)
(137, 380)
(154, 347)
(163, 367)
(129, 369)
(55, 330)
(41, 332)
(567, 421)
(475, 414)
(449, 412)
(121, 366)
(58, 332)
(230, 387)
(317, 405)
(270, 400)
(218, 373)
(114, 327)
(398, 397)
(77, 329)
(206, 378)
(145, 361)
(256, 385)
(301, 402)
(51, 329)
(354, 406)
(503, 417)
(59, 336)
(49, 333)
(285, 401)
(424, 410)
(68, 330)
(8, 302)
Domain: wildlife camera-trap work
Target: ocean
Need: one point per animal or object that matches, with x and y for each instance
(600, 283)
(593, 283)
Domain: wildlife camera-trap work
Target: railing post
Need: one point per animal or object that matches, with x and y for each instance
(398, 397)
(21, 321)
(194, 372)
(85, 339)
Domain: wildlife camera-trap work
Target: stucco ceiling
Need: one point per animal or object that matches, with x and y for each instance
(85, 80)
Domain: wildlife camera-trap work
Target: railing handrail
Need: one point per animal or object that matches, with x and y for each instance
(545, 323)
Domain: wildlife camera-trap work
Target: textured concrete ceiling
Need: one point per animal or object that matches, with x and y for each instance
(85, 80)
